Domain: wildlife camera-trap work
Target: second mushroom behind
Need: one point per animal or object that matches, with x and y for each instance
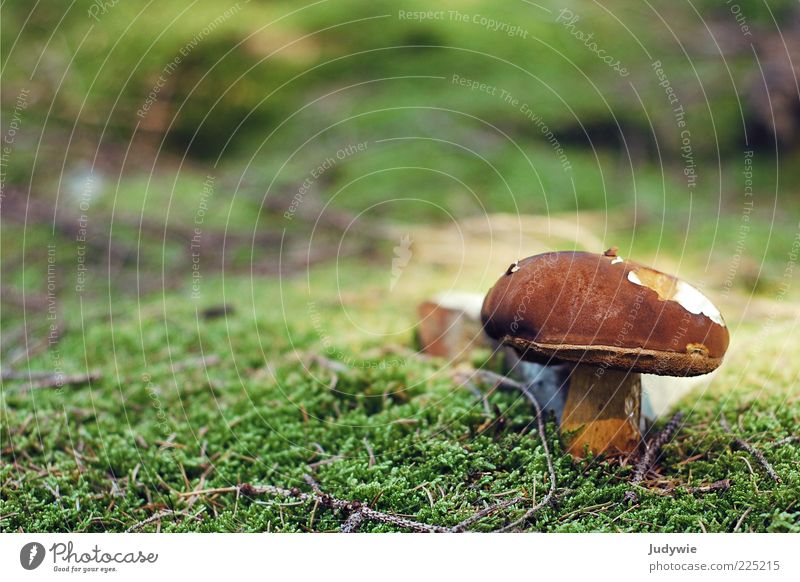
(611, 319)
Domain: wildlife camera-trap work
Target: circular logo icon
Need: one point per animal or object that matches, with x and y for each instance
(31, 555)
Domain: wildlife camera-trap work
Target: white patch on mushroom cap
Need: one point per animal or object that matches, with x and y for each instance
(634, 278)
(692, 300)
(617, 260)
(688, 297)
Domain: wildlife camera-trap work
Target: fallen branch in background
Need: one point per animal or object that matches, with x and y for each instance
(39, 380)
(759, 456)
(49, 338)
(652, 451)
(330, 365)
(22, 375)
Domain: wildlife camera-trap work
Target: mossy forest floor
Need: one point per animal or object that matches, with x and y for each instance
(334, 170)
(393, 431)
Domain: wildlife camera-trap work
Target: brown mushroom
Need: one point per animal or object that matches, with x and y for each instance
(614, 319)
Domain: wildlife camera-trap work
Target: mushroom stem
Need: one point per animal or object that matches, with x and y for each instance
(602, 410)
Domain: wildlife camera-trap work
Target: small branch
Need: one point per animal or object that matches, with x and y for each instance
(652, 451)
(743, 444)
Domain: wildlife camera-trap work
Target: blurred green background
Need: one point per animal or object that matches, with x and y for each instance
(166, 162)
(475, 107)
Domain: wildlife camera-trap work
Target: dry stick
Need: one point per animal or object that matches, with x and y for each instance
(651, 454)
(508, 383)
(759, 456)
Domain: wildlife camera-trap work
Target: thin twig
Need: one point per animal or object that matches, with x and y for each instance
(312, 483)
(331, 365)
(652, 451)
(487, 410)
(485, 512)
(715, 487)
(759, 456)
(26, 375)
(742, 518)
(48, 340)
(721, 485)
(326, 461)
(159, 515)
(324, 500)
(370, 452)
(786, 441)
(508, 383)
(203, 361)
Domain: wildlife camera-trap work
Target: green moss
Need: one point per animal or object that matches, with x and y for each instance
(102, 457)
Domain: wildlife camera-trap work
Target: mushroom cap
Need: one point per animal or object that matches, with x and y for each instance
(604, 310)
